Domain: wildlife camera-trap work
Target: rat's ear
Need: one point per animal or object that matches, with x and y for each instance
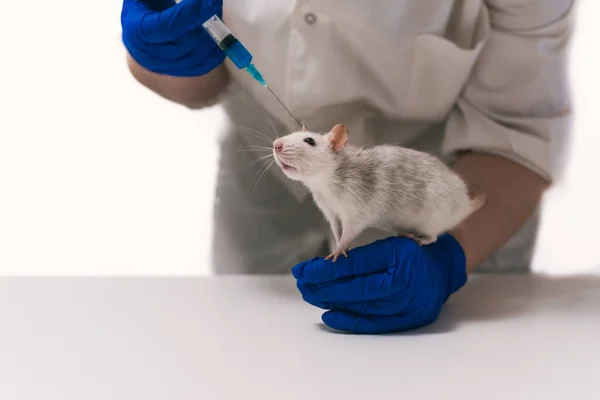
(304, 128)
(338, 136)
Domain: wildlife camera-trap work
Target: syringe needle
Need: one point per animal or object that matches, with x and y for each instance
(282, 105)
(237, 53)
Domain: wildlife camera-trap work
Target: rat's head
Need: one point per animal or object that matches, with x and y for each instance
(303, 155)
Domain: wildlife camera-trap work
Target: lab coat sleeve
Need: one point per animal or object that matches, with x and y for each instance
(517, 99)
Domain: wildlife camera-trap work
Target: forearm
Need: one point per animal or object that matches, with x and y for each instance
(512, 194)
(192, 92)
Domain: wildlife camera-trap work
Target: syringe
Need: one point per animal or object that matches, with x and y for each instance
(237, 53)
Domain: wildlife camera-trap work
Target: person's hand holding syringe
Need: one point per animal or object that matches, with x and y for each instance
(184, 39)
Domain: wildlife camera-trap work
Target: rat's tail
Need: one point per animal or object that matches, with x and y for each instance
(476, 195)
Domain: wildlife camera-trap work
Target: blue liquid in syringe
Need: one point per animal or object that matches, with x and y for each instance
(256, 75)
(242, 59)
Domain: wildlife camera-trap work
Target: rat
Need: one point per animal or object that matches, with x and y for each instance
(386, 186)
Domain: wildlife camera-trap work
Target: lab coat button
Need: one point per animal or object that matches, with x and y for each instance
(310, 18)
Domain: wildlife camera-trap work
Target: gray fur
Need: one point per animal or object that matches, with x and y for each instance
(386, 186)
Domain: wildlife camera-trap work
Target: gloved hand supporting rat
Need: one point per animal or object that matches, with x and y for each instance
(388, 187)
(391, 285)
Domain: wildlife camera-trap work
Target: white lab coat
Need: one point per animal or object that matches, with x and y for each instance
(436, 75)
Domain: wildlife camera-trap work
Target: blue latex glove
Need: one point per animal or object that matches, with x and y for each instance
(168, 38)
(388, 286)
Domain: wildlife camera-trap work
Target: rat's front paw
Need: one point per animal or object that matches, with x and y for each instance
(334, 256)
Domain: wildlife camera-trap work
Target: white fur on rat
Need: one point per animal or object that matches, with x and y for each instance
(388, 187)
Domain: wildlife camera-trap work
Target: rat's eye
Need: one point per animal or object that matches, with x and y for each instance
(310, 141)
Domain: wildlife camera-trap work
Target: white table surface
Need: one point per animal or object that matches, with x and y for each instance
(501, 337)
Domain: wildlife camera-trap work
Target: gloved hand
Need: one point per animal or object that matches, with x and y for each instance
(168, 38)
(390, 285)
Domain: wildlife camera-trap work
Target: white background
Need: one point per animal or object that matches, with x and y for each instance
(100, 176)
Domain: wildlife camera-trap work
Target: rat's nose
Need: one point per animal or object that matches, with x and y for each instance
(278, 145)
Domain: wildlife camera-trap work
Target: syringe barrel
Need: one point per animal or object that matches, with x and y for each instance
(217, 30)
(223, 37)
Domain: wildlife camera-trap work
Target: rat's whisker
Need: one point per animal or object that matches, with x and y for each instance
(261, 121)
(259, 173)
(253, 117)
(251, 163)
(255, 148)
(263, 175)
(255, 133)
(253, 151)
(291, 126)
(272, 126)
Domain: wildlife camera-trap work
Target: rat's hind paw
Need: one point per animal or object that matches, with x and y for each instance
(421, 240)
(425, 240)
